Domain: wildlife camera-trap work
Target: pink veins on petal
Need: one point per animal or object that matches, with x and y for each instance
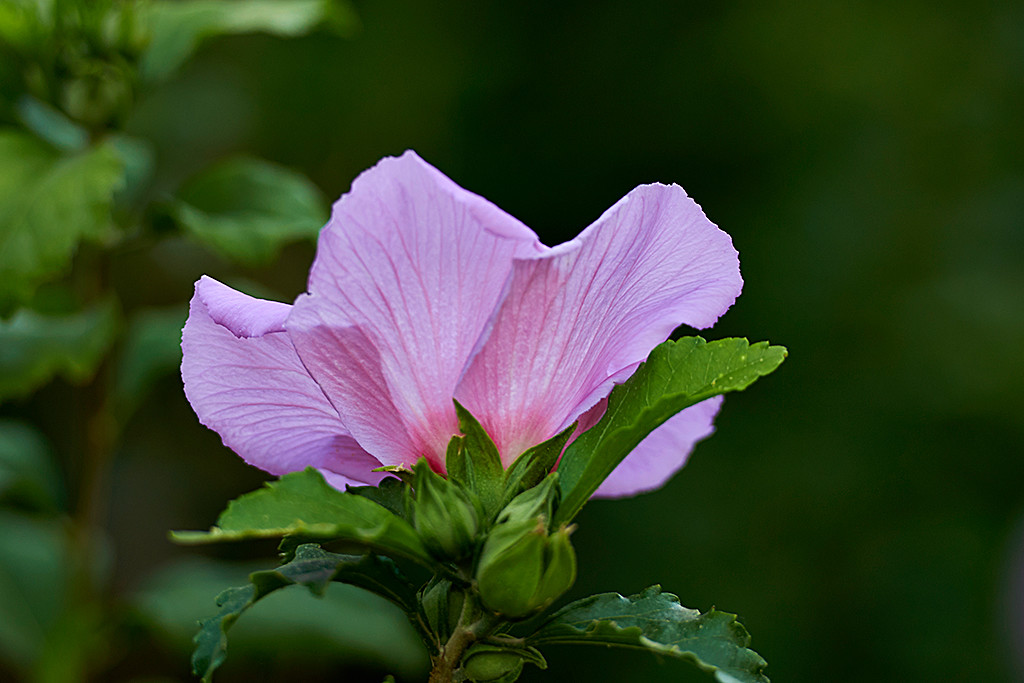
(422, 292)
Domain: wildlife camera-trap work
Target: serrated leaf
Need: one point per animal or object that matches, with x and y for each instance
(303, 504)
(655, 621)
(677, 375)
(178, 26)
(247, 209)
(347, 625)
(34, 348)
(48, 203)
(474, 463)
(313, 568)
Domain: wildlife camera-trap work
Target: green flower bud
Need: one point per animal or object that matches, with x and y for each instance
(512, 566)
(523, 569)
(443, 515)
(489, 664)
(559, 570)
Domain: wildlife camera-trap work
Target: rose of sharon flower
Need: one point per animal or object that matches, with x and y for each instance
(421, 293)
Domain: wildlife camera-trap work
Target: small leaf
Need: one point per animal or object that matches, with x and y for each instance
(654, 621)
(303, 504)
(247, 209)
(212, 639)
(677, 375)
(534, 465)
(475, 465)
(48, 203)
(178, 26)
(313, 568)
(34, 348)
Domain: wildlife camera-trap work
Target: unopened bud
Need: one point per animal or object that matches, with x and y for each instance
(523, 569)
(443, 515)
(488, 664)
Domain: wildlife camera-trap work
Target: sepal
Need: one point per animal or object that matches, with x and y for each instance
(473, 463)
(443, 515)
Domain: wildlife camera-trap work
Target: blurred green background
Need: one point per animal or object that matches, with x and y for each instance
(862, 509)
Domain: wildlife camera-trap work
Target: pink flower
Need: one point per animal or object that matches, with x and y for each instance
(422, 292)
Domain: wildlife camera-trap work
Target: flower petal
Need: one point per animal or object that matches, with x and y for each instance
(244, 315)
(653, 462)
(255, 393)
(407, 274)
(583, 315)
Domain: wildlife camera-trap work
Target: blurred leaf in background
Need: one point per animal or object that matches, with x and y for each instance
(48, 203)
(247, 209)
(36, 347)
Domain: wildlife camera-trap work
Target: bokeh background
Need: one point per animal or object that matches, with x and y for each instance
(862, 509)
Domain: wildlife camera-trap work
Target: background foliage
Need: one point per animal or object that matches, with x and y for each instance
(862, 510)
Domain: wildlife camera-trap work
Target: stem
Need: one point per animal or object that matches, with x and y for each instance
(446, 663)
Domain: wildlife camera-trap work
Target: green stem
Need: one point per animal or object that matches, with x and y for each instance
(446, 663)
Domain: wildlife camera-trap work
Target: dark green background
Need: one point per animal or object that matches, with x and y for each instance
(859, 508)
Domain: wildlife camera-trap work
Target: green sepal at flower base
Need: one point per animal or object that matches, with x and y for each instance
(441, 605)
(443, 515)
(523, 567)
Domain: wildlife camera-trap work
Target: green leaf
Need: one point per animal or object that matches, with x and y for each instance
(247, 209)
(303, 504)
(35, 347)
(473, 463)
(534, 465)
(677, 375)
(28, 474)
(178, 26)
(391, 492)
(151, 350)
(48, 203)
(313, 568)
(654, 621)
(347, 626)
